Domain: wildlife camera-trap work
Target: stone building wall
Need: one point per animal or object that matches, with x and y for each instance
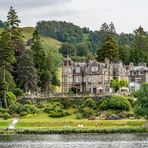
(95, 77)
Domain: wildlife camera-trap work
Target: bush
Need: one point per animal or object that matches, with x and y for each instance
(11, 97)
(89, 103)
(58, 113)
(49, 108)
(28, 102)
(141, 112)
(6, 116)
(71, 111)
(20, 108)
(2, 110)
(119, 103)
(18, 92)
(35, 110)
(1, 115)
(131, 100)
(23, 113)
(30, 109)
(111, 114)
(40, 105)
(104, 105)
(79, 116)
(67, 103)
(86, 111)
(13, 108)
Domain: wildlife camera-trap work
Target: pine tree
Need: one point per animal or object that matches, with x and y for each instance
(108, 50)
(40, 60)
(108, 30)
(112, 28)
(26, 72)
(7, 58)
(139, 50)
(124, 54)
(12, 25)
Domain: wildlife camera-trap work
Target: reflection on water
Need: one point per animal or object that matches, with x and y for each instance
(75, 141)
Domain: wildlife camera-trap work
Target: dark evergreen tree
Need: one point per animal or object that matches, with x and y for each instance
(7, 58)
(104, 27)
(40, 60)
(106, 30)
(139, 52)
(108, 50)
(26, 73)
(12, 25)
(112, 28)
(124, 54)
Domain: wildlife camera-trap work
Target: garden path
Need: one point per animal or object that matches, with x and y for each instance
(13, 124)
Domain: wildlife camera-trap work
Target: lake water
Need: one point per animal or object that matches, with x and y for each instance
(75, 141)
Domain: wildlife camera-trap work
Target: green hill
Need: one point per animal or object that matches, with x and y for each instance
(47, 42)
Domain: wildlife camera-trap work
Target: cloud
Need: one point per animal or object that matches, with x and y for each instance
(26, 4)
(125, 14)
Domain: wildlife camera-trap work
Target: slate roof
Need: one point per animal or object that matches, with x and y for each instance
(139, 68)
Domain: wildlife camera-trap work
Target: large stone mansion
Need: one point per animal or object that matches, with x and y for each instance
(95, 77)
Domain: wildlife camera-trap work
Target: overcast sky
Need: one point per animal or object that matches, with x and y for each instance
(125, 14)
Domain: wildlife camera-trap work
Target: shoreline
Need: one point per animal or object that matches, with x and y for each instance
(75, 131)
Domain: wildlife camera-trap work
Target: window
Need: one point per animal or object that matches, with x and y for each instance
(65, 63)
(77, 69)
(69, 63)
(69, 80)
(142, 72)
(65, 70)
(135, 73)
(77, 79)
(86, 79)
(138, 80)
(94, 78)
(94, 68)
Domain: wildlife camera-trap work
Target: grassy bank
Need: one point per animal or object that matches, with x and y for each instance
(4, 123)
(43, 122)
(84, 130)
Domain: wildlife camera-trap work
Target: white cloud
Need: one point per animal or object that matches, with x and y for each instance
(126, 14)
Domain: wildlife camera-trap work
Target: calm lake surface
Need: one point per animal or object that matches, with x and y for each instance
(75, 141)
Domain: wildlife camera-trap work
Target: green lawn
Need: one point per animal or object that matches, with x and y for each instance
(43, 121)
(4, 123)
(47, 42)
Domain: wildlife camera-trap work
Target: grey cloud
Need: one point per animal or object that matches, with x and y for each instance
(59, 13)
(30, 3)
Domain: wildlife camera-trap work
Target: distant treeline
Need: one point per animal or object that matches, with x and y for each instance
(83, 42)
(62, 31)
(70, 33)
